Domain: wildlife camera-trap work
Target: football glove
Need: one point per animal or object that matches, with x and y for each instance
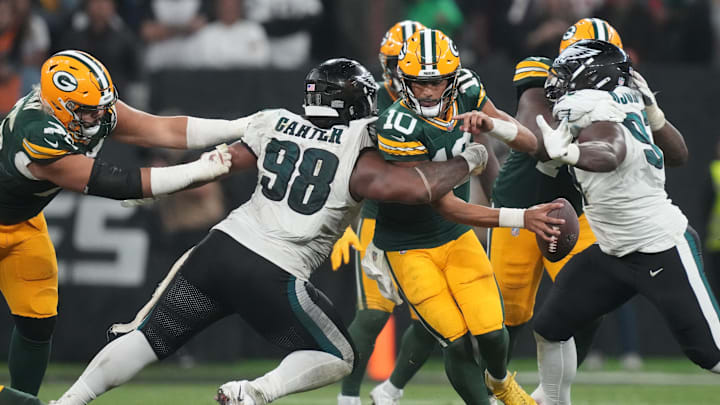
(655, 115)
(476, 157)
(558, 142)
(341, 251)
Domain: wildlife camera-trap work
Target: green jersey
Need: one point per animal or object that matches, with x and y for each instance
(524, 181)
(404, 136)
(385, 98)
(29, 134)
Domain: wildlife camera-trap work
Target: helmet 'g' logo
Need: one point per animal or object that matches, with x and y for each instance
(569, 33)
(65, 81)
(453, 49)
(403, 51)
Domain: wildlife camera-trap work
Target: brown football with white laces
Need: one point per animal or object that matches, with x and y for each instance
(569, 231)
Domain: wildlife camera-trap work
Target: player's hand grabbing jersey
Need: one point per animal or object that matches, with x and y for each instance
(404, 136)
(524, 181)
(29, 134)
(628, 208)
(302, 200)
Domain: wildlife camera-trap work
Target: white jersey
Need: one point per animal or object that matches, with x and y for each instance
(628, 208)
(302, 200)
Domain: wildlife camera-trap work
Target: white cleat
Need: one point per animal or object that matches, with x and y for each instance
(345, 400)
(383, 394)
(238, 393)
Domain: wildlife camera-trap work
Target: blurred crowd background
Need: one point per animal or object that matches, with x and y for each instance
(137, 37)
(228, 58)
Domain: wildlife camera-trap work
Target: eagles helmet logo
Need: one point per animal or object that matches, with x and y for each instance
(577, 52)
(65, 81)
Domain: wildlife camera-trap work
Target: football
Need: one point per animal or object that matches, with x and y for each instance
(563, 244)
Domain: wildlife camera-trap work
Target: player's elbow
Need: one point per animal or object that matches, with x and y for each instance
(677, 158)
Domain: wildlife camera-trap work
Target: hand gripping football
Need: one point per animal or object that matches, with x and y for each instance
(563, 244)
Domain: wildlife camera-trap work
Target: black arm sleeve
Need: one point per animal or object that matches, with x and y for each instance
(107, 180)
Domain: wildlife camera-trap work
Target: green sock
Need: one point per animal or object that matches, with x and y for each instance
(494, 351)
(513, 333)
(364, 329)
(584, 339)
(9, 396)
(27, 361)
(416, 346)
(465, 375)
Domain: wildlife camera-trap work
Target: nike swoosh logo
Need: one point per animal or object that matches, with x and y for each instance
(53, 144)
(399, 138)
(654, 273)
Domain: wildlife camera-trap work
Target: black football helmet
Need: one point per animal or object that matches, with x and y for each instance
(588, 64)
(339, 91)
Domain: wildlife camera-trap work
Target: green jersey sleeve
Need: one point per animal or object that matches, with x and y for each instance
(531, 72)
(400, 136)
(471, 89)
(44, 138)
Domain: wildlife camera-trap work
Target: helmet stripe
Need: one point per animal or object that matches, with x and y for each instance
(427, 48)
(599, 28)
(94, 67)
(407, 30)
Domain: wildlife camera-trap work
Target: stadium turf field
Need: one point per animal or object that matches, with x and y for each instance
(660, 382)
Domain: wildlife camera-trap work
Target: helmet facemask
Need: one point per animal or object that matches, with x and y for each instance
(443, 103)
(83, 129)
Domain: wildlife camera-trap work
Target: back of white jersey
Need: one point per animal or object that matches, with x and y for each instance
(628, 208)
(302, 200)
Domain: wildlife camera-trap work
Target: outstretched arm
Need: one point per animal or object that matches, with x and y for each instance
(600, 147)
(412, 182)
(179, 132)
(500, 125)
(96, 177)
(534, 219)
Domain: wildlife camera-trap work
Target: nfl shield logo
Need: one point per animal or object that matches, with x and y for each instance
(515, 231)
(310, 87)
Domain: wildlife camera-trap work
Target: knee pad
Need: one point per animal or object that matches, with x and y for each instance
(35, 329)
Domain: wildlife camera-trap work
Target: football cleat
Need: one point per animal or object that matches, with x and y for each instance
(79, 91)
(429, 56)
(238, 393)
(381, 395)
(590, 28)
(508, 391)
(390, 48)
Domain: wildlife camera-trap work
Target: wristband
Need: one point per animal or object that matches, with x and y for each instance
(572, 155)
(202, 132)
(511, 218)
(656, 117)
(503, 130)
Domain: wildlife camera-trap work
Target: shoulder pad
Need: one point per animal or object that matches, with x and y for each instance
(531, 73)
(398, 133)
(470, 87)
(583, 107)
(46, 140)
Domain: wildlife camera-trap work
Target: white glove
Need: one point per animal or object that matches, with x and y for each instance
(558, 142)
(211, 165)
(655, 115)
(476, 157)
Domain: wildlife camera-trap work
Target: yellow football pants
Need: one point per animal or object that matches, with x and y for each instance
(451, 287)
(518, 265)
(28, 269)
(369, 296)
